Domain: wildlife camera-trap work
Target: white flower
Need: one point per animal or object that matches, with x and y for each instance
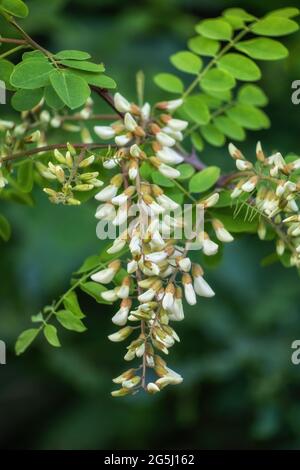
(135, 151)
(250, 185)
(296, 164)
(132, 266)
(121, 216)
(107, 193)
(157, 240)
(170, 156)
(117, 245)
(105, 276)
(111, 163)
(133, 170)
(170, 105)
(185, 264)
(165, 139)
(177, 313)
(157, 256)
(105, 211)
(122, 140)
(120, 318)
(152, 388)
(177, 135)
(167, 202)
(222, 234)
(168, 171)
(235, 152)
(130, 122)
(135, 246)
(177, 124)
(210, 248)
(243, 165)
(109, 295)
(121, 103)
(236, 193)
(121, 334)
(202, 288)
(145, 111)
(147, 296)
(189, 293)
(104, 132)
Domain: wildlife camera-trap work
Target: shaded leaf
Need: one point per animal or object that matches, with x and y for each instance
(215, 29)
(204, 180)
(50, 333)
(239, 67)
(204, 46)
(25, 339)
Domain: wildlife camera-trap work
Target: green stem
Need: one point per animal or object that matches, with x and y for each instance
(12, 51)
(215, 60)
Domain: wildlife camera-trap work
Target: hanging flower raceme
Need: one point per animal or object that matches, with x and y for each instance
(160, 274)
(273, 186)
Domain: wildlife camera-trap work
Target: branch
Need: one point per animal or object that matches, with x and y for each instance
(13, 41)
(106, 96)
(27, 153)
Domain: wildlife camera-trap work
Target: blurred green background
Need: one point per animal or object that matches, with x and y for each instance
(240, 388)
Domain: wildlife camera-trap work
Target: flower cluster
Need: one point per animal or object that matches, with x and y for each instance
(273, 184)
(70, 173)
(160, 273)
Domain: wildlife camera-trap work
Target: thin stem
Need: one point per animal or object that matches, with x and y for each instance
(106, 96)
(13, 41)
(12, 51)
(27, 153)
(214, 61)
(29, 40)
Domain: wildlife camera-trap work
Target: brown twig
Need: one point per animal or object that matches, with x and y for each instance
(13, 41)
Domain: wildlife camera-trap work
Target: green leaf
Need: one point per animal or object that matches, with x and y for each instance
(217, 80)
(204, 180)
(71, 303)
(25, 100)
(52, 98)
(230, 128)
(249, 117)
(204, 46)
(238, 13)
(50, 333)
(83, 65)
(174, 194)
(5, 228)
(14, 7)
(70, 321)
(31, 74)
(25, 339)
(146, 170)
(274, 26)
(213, 135)
(161, 180)
(196, 109)
(169, 82)
(90, 263)
(34, 55)
(263, 48)
(215, 29)
(223, 95)
(239, 67)
(288, 12)
(96, 79)
(25, 176)
(6, 69)
(94, 290)
(187, 62)
(73, 55)
(211, 101)
(197, 141)
(252, 94)
(71, 89)
(186, 171)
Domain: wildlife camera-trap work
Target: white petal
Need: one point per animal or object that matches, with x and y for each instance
(202, 288)
(104, 132)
